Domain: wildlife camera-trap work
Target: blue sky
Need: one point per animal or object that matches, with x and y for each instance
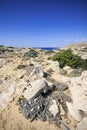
(42, 23)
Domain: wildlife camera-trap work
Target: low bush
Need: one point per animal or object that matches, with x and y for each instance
(49, 52)
(67, 58)
(21, 66)
(31, 53)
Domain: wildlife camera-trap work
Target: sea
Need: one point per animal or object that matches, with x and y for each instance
(47, 48)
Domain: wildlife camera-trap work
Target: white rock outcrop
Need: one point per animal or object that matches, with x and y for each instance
(78, 89)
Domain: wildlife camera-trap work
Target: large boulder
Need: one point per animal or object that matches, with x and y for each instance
(37, 87)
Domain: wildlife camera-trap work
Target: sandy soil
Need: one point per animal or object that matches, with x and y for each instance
(12, 119)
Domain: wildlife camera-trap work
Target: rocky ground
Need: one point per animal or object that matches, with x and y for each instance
(36, 94)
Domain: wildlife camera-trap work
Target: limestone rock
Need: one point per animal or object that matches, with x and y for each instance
(82, 125)
(62, 112)
(78, 89)
(6, 96)
(55, 66)
(72, 72)
(64, 127)
(30, 68)
(35, 88)
(22, 87)
(54, 108)
(51, 85)
(66, 68)
(73, 111)
(36, 73)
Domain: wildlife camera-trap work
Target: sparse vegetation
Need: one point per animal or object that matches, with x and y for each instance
(31, 53)
(49, 58)
(67, 58)
(49, 52)
(21, 66)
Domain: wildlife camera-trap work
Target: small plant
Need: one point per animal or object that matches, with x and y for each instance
(49, 52)
(21, 66)
(31, 53)
(49, 58)
(66, 58)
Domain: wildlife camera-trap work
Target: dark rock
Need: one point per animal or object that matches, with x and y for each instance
(34, 108)
(60, 86)
(37, 109)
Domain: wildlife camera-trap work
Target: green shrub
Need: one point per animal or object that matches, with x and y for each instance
(21, 66)
(66, 58)
(49, 58)
(31, 53)
(49, 52)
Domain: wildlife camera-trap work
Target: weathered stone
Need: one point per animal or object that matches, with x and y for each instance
(78, 89)
(56, 85)
(30, 68)
(55, 66)
(36, 87)
(82, 125)
(22, 87)
(51, 85)
(72, 72)
(6, 96)
(54, 108)
(60, 86)
(36, 73)
(62, 98)
(62, 112)
(74, 112)
(64, 127)
(66, 68)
